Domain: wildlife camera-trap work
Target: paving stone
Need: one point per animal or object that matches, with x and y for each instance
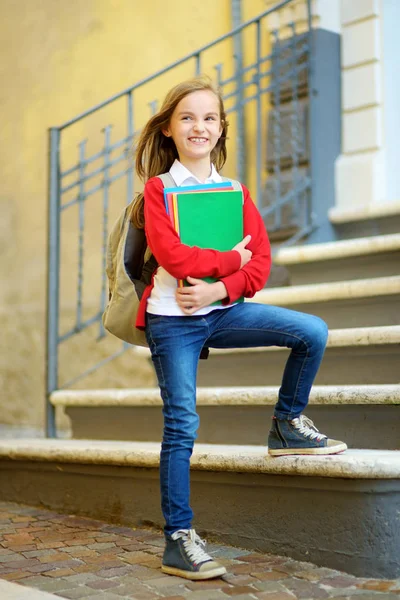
(275, 596)
(238, 590)
(50, 545)
(175, 597)
(106, 537)
(40, 568)
(208, 595)
(16, 576)
(58, 573)
(102, 584)
(341, 581)
(47, 585)
(165, 581)
(22, 563)
(377, 585)
(78, 592)
(173, 590)
(101, 545)
(337, 592)
(239, 579)
(208, 584)
(103, 596)
(245, 597)
(270, 586)
(81, 578)
(86, 569)
(8, 557)
(370, 596)
(268, 575)
(115, 572)
(143, 573)
(130, 591)
(305, 589)
(36, 553)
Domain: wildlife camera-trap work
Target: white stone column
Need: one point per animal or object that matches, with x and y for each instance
(364, 184)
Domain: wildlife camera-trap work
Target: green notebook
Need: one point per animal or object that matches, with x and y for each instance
(210, 220)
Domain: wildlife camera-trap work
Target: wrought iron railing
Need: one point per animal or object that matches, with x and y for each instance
(254, 86)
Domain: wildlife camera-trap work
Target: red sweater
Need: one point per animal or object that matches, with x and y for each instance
(182, 261)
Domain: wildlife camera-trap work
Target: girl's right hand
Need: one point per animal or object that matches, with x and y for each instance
(245, 255)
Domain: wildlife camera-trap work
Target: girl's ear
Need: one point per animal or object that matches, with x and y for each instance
(166, 132)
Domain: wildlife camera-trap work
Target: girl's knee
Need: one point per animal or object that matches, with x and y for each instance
(318, 332)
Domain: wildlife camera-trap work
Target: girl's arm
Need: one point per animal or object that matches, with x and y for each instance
(253, 276)
(180, 260)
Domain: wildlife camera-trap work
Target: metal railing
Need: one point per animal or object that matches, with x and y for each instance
(254, 84)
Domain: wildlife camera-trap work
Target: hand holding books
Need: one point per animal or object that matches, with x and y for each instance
(245, 254)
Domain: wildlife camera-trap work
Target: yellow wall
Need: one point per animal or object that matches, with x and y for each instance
(57, 60)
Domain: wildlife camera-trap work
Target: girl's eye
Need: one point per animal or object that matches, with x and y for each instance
(210, 119)
(186, 118)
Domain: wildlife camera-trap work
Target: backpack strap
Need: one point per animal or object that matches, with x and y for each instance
(235, 184)
(167, 180)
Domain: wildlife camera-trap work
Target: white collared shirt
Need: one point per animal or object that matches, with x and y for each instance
(162, 298)
(183, 177)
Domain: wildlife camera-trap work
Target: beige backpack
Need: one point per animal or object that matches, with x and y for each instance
(129, 266)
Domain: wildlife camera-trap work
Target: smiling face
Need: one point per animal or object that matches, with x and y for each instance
(195, 125)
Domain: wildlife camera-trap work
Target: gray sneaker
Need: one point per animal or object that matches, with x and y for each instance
(300, 436)
(185, 556)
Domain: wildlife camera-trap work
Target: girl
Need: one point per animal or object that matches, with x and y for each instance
(187, 139)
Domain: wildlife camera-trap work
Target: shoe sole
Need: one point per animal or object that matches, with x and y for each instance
(324, 450)
(194, 575)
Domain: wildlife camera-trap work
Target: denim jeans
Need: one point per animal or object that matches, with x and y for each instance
(176, 343)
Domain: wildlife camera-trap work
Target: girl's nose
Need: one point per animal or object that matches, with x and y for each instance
(199, 126)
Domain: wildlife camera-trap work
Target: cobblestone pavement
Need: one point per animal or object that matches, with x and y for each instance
(75, 557)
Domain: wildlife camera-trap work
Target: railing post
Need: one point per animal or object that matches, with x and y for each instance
(53, 277)
(260, 131)
(240, 121)
(312, 95)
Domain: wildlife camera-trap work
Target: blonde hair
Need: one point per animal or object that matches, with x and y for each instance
(155, 152)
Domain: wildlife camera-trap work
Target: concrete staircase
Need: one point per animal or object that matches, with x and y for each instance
(301, 506)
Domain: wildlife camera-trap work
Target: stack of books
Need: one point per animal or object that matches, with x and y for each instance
(206, 216)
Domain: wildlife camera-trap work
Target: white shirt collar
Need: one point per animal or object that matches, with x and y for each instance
(183, 177)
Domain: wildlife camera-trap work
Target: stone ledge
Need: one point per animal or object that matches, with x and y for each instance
(341, 249)
(339, 215)
(352, 464)
(14, 591)
(231, 396)
(336, 290)
(338, 338)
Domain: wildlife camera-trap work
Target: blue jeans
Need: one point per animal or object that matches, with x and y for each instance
(176, 343)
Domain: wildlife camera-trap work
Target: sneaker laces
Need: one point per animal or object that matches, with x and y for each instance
(305, 426)
(193, 544)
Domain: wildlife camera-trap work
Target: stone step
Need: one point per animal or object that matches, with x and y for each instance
(360, 221)
(361, 303)
(362, 415)
(376, 256)
(353, 355)
(240, 495)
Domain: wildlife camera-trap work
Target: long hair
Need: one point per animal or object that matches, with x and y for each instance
(156, 153)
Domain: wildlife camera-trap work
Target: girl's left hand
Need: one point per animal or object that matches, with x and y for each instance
(199, 294)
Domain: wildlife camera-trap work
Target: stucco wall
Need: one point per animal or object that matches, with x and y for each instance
(57, 60)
